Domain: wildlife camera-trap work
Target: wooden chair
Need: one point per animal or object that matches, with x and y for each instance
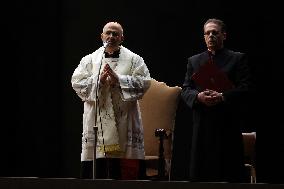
(158, 110)
(249, 152)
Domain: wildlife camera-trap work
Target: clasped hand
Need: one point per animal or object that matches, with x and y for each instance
(210, 97)
(108, 76)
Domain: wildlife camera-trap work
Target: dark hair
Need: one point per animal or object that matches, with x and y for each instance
(218, 22)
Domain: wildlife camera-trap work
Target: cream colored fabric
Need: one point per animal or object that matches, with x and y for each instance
(158, 108)
(119, 119)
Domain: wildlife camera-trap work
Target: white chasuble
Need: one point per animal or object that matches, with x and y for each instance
(120, 131)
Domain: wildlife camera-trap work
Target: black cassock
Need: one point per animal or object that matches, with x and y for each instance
(207, 144)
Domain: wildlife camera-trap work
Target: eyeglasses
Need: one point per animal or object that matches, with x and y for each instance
(113, 33)
(213, 32)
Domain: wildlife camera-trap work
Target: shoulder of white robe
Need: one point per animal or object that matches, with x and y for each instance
(97, 55)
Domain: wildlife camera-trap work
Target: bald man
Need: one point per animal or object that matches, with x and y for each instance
(110, 81)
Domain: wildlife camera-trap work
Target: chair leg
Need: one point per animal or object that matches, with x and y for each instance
(161, 133)
(252, 173)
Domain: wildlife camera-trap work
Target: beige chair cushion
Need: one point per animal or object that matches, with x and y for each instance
(158, 109)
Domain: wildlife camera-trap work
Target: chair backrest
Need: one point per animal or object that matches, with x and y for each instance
(249, 147)
(158, 110)
(249, 153)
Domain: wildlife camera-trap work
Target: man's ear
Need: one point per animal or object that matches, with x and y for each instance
(102, 36)
(225, 35)
(122, 39)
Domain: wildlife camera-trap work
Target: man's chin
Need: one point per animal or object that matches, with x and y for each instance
(113, 45)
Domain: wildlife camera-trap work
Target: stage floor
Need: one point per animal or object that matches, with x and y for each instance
(72, 183)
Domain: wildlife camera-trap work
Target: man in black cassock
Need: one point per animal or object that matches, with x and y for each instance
(216, 146)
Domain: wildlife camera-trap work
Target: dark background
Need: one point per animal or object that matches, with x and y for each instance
(43, 42)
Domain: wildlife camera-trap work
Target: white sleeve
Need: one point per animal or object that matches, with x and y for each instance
(135, 85)
(84, 81)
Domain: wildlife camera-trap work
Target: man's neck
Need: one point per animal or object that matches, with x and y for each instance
(111, 50)
(213, 51)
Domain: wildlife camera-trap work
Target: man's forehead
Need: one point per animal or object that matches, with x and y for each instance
(112, 25)
(211, 26)
(111, 28)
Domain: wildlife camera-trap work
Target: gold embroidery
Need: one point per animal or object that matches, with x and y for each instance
(109, 148)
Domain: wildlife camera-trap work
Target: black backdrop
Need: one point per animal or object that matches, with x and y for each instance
(45, 40)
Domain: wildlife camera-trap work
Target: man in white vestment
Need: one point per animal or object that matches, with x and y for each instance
(110, 81)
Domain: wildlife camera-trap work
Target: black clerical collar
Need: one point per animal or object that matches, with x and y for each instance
(115, 54)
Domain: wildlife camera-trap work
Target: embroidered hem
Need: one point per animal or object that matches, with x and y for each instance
(109, 148)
